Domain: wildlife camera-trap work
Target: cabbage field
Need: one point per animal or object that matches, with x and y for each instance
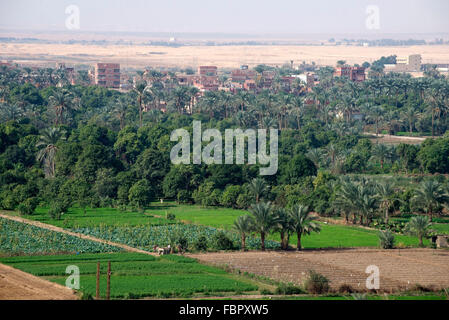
(20, 238)
(146, 236)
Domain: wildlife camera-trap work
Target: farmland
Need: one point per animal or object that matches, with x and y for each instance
(145, 230)
(19, 238)
(137, 275)
(399, 269)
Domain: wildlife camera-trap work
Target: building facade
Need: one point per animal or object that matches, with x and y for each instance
(107, 75)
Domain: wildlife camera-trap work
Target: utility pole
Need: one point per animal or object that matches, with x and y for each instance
(97, 295)
(108, 285)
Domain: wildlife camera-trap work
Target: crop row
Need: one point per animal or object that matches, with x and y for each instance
(21, 238)
(145, 237)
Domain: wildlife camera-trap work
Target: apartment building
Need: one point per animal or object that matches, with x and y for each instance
(107, 75)
(242, 74)
(207, 79)
(412, 63)
(356, 74)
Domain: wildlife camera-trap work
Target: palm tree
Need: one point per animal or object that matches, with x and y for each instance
(264, 219)
(302, 222)
(243, 225)
(315, 155)
(410, 115)
(62, 100)
(375, 113)
(382, 153)
(141, 90)
(430, 196)
(48, 149)
(386, 193)
(418, 226)
(283, 226)
(10, 112)
(367, 202)
(121, 108)
(332, 152)
(348, 195)
(258, 187)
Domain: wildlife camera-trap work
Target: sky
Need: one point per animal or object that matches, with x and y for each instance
(232, 16)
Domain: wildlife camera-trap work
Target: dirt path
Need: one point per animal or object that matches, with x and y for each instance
(390, 139)
(19, 285)
(399, 269)
(75, 234)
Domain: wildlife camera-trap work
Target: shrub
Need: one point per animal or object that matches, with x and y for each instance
(222, 242)
(201, 244)
(230, 195)
(345, 288)
(316, 283)
(386, 239)
(183, 243)
(287, 289)
(183, 197)
(86, 296)
(58, 208)
(244, 200)
(265, 292)
(27, 207)
(170, 216)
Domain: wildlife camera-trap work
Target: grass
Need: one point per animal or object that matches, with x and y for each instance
(331, 236)
(94, 217)
(222, 218)
(441, 227)
(137, 275)
(340, 236)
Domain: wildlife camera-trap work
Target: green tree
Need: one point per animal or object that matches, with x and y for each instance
(48, 148)
(258, 188)
(430, 196)
(264, 220)
(244, 226)
(418, 226)
(140, 194)
(302, 222)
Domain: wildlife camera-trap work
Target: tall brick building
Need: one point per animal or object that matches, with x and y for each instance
(356, 74)
(107, 75)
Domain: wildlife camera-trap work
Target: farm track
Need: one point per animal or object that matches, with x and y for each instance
(399, 269)
(75, 234)
(18, 285)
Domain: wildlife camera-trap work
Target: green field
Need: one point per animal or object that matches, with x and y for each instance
(331, 235)
(222, 218)
(94, 217)
(137, 275)
(21, 238)
(341, 236)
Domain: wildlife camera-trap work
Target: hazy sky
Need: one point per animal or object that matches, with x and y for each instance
(230, 16)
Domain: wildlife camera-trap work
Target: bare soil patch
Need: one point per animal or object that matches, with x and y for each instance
(399, 269)
(232, 56)
(18, 285)
(389, 139)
